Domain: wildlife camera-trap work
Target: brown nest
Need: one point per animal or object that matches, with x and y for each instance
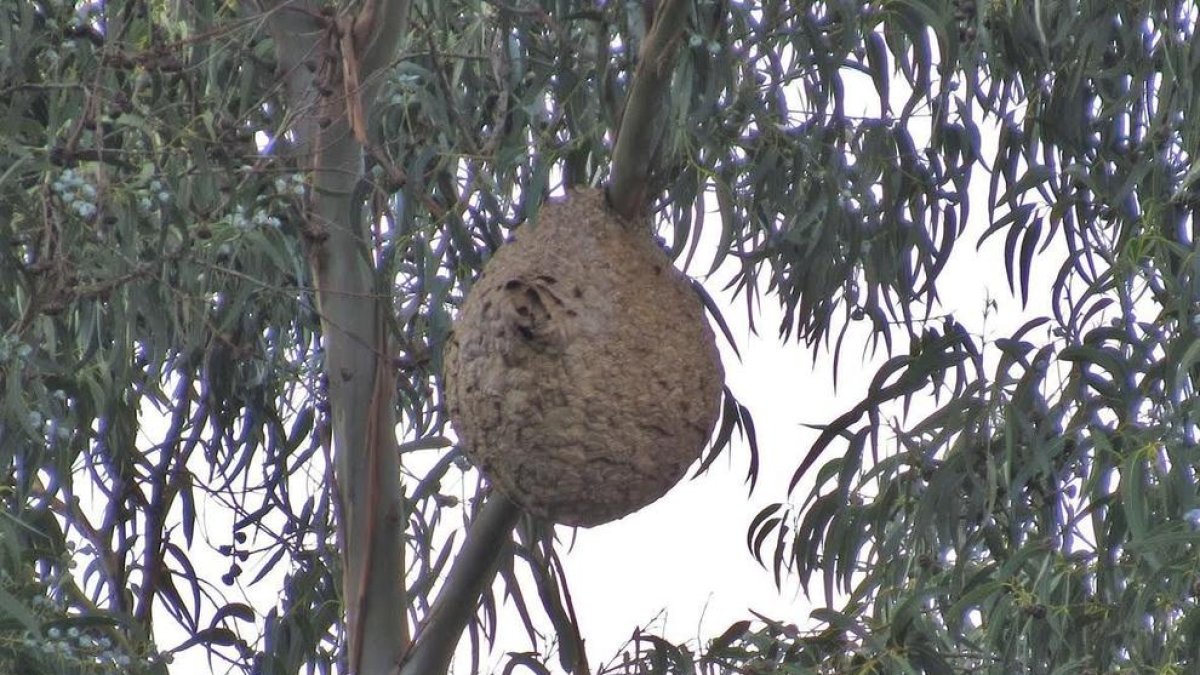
(582, 377)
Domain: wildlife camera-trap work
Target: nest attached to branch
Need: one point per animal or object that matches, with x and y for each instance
(582, 377)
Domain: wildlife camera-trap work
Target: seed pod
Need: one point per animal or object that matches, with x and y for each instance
(582, 377)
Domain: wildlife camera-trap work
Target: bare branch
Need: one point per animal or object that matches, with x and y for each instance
(473, 570)
(642, 120)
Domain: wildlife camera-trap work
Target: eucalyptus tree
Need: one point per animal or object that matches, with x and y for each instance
(234, 237)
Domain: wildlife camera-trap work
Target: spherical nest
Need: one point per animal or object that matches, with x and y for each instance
(582, 377)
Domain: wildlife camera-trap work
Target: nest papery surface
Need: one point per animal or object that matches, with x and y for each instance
(582, 378)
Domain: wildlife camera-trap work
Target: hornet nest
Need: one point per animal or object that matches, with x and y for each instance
(582, 377)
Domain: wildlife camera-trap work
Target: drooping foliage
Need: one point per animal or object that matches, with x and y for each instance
(161, 354)
(1043, 512)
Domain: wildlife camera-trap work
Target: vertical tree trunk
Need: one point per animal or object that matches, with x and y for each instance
(312, 56)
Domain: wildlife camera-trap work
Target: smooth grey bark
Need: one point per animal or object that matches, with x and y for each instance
(371, 518)
(644, 116)
(474, 568)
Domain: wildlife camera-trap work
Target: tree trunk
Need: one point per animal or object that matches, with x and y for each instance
(352, 300)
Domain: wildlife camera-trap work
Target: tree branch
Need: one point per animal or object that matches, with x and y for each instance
(376, 31)
(643, 118)
(473, 570)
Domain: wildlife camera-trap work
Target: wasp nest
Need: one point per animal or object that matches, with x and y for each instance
(582, 377)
